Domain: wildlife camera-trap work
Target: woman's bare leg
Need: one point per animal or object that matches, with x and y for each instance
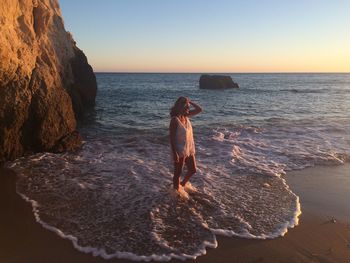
(177, 173)
(191, 167)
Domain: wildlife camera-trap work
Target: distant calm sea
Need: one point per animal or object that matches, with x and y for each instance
(114, 196)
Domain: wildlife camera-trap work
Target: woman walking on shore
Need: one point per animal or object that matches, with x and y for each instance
(181, 139)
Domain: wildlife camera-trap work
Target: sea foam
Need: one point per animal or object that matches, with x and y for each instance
(110, 200)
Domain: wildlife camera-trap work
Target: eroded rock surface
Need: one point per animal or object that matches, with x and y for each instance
(45, 80)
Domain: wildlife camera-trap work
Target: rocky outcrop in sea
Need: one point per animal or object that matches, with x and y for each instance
(216, 82)
(46, 82)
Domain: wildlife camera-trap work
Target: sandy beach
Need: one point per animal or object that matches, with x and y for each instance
(323, 233)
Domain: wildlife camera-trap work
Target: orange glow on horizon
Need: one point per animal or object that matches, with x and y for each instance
(268, 60)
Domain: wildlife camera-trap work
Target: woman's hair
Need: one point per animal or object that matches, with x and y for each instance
(178, 106)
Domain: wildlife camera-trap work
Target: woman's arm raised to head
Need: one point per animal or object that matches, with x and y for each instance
(197, 109)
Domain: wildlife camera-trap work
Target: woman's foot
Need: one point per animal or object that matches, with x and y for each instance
(190, 188)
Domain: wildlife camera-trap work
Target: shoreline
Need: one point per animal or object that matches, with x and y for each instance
(317, 238)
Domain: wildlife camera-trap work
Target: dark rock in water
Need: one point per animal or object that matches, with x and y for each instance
(45, 80)
(83, 91)
(68, 142)
(216, 82)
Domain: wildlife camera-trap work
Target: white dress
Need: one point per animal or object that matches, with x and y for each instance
(184, 143)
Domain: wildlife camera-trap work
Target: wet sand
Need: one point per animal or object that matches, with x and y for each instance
(323, 234)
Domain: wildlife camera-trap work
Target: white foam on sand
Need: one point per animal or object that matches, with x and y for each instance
(122, 191)
(281, 231)
(119, 254)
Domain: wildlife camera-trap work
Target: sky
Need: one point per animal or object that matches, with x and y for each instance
(209, 36)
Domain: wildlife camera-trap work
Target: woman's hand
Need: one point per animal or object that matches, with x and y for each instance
(197, 108)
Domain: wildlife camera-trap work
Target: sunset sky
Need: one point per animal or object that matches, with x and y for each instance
(211, 36)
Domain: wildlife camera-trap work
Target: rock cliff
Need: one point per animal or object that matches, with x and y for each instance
(45, 80)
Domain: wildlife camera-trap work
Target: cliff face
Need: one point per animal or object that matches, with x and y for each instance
(45, 80)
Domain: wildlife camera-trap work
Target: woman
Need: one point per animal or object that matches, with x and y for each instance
(181, 139)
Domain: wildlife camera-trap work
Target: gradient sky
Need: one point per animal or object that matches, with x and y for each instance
(212, 36)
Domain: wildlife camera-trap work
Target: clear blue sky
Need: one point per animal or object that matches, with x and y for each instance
(212, 36)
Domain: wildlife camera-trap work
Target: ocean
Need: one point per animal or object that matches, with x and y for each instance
(114, 197)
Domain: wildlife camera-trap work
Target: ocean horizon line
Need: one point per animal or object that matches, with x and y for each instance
(268, 72)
